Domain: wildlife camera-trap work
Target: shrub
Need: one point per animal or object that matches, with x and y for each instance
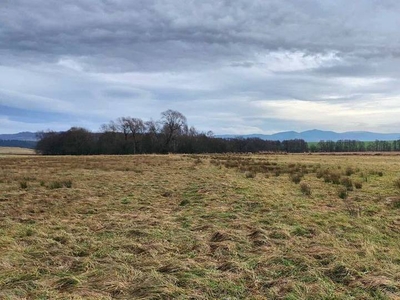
(349, 171)
(380, 174)
(305, 188)
(330, 176)
(296, 178)
(358, 184)
(335, 177)
(23, 184)
(347, 182)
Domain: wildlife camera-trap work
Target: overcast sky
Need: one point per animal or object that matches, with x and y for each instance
(230, 66)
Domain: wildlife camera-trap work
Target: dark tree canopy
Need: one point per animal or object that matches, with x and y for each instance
(128, 135)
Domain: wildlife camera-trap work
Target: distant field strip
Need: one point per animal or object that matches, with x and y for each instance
(16, 150)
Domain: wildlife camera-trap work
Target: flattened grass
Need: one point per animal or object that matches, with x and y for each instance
(165, 227)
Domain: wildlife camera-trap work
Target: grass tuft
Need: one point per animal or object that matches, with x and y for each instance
(305, 188)
(67, 283)
(23, 185)
(342, 192)
(397, 183)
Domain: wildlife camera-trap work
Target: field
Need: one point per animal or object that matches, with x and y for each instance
(200, 227)
(16, 151)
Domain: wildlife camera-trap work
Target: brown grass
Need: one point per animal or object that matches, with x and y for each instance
(16, 151)
(194, 227)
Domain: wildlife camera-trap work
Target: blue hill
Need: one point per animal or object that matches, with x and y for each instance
(316, 135)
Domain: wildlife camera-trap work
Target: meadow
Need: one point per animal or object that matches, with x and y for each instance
(16, 151)
(200, 227)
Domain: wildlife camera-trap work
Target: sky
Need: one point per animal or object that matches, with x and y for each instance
(230, 66)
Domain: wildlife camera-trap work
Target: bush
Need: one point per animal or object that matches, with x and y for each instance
(296, 178)
(347, 182)
(23, 184)
(349, 171)
(330, 176)
(335, 177)
(305, 188)
(358, 184)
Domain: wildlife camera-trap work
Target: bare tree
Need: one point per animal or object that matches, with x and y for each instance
(210, 134)
(152, 141)
(174, 123)
(192, 131)
(136, 127)
(152, 127)
(110, 127)
(123, 126)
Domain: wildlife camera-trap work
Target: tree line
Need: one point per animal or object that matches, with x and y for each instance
(355, 146)
(171, 134)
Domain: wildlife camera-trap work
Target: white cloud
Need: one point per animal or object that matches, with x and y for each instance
(341, 116)
(70, 64)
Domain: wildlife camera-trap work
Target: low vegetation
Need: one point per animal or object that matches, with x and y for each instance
(199, 227)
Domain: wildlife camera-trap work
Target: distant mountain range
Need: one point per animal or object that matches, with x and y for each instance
(318, 135)
(309, 136)
(22, 140)
(21, 136)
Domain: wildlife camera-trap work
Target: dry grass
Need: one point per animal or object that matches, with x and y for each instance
(194, 227)
(16, 151)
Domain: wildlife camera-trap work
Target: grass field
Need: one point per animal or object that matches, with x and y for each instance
(16, 151)
(200, 227)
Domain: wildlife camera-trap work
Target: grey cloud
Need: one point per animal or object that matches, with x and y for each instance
(166, 34)
(215, 60)
(124, 93)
